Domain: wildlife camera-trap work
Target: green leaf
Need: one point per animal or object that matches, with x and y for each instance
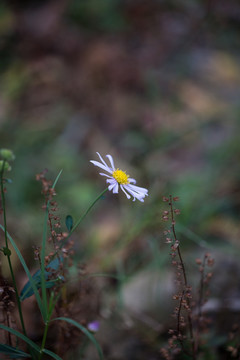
(53, 266)
(86, 332)
(12, 352)
(69, 222)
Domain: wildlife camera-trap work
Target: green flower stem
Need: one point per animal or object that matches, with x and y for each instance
(82, 217)
(7, 252)
(86, 212)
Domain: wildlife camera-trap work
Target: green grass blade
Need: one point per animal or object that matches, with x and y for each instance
(21, 336)
(12, 352)
(30, 342)
(52, 354)
(32, 282)
(57, 178)
(86, 332)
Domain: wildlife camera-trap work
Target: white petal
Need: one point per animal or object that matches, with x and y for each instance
(138, 189)
(127, 195)
(110, 158)
(100, 157)
(115, 189)
(112, 183)
(130, 191)
(140, 195)
(110, 187)
(106, 168)
(105, 175)
(131, 180)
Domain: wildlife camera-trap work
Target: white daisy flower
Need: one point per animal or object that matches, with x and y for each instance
(117, 177)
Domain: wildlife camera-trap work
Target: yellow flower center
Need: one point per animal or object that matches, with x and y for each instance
(121, 177)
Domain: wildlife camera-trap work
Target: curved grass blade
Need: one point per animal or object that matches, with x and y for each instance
(21, 336)
(27, 272)
(52, 354)
(86, 332)
(57, 178)
(13, 353)
(29, 342)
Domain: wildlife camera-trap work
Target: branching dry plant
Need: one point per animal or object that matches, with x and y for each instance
(191, 322)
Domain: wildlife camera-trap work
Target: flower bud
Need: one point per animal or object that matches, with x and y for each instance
(7, 154)
(4, 166)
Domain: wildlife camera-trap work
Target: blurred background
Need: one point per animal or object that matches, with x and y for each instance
(156, 84)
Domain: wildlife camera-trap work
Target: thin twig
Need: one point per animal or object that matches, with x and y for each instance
(185, 282)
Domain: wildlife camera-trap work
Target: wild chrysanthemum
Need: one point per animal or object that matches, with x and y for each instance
(117, 177)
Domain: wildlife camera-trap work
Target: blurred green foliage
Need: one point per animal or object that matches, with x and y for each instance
(156, 84)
